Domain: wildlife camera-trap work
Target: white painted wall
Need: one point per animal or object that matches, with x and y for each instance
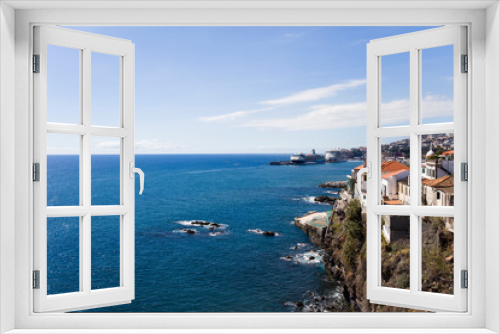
(7, 166)
(492, 164)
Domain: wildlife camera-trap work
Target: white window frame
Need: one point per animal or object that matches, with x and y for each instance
(413, 43)
(484, 50)
(86, 44)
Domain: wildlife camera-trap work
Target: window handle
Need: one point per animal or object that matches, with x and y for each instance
(134, 170)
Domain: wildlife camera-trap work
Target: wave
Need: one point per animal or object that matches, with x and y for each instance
(309, 257)
(310, 200)
(318, 302)
(215, 234)
(202, 223)
(259, 231)
(299, 246)
(332, 192)
(185, 230)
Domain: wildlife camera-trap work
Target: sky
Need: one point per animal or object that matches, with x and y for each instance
(245, 89)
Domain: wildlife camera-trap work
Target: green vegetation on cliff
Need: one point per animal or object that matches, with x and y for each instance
(345, 258)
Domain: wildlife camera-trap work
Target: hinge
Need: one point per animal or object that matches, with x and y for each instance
(36, 279)
(36, 63)
(36, 172)
(464, 171)
(464, 279)
(465, 64)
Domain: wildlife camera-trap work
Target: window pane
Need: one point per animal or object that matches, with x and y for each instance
(437, 254)
(437, 84)
(63, 169)
(105, 90)
(395, 251)
(438, 168)
(63, 255)
(395, 89)
(63, 85)
(105, 170)
(395, 171)
(105, 252)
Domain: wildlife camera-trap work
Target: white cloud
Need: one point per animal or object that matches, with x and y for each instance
(55, 150)
(315, 94)
(109, 145)
(232, 116)
(294, 35)
(147, 145)
(323, 117)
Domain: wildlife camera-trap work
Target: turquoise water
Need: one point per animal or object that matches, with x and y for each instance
(238, 271)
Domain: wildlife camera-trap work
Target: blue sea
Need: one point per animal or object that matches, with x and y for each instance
(236, 271)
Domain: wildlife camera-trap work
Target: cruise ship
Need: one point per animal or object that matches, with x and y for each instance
(311, 158)
(334, 156)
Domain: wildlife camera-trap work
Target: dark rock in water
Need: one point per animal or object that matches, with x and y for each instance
(299, 304)
(204, 223)
(311, 257)
(325, 199)
(266, 233)
(199, 222)
(334, 184)
(188, 231)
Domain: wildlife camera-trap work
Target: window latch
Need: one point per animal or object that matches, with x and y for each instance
(133, 170)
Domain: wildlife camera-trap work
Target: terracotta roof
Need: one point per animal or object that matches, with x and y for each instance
(396, 172)
(393, 202)
(389, 167)
(443, 182)
(392, 166)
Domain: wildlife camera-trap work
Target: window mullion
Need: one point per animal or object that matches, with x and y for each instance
(85, 179)
(415, 162)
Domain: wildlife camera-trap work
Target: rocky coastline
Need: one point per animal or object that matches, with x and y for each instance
(344, 244)
(334, 184)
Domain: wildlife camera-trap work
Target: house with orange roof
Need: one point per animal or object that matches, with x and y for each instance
(437, 166)
(354, 176)
(392, 172)
(404, 191)
(438, 192)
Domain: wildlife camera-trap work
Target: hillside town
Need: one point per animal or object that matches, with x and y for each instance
(437, 179)
(341, 232)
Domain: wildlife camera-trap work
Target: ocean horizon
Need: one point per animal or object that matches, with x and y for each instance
(226, 267)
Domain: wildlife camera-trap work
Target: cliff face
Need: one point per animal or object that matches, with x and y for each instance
(316, 234)
(344, 242)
